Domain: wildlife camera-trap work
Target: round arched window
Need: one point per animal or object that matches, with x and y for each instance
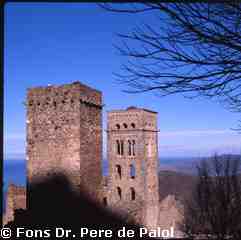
(133, 194)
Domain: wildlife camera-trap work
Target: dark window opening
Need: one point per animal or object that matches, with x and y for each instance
(133, 125)
(118, 148)
(125, 125)
(55, 104)
(133, 194)
(105, 201)
(119, 192)
(117, 126)
(132, 171)
(122, 147)
(118, 168)
(133, 147)
(129, 147)
(72, 100)
(38, 103)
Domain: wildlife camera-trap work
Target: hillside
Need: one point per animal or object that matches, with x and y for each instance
(176, 183)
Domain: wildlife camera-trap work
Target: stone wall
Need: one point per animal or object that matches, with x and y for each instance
(16, 199)
(171, 214)
(64, 134)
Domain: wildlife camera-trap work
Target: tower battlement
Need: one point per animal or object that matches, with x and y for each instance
(67, 93)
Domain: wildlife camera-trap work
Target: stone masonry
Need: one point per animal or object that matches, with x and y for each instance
(16, 199)
(133, 162)
(64, 135)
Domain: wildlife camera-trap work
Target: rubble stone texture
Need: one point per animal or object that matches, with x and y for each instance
(64, 134)
(16, 199)
(171, 214)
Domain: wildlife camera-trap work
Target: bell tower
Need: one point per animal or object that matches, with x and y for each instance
(133, 160)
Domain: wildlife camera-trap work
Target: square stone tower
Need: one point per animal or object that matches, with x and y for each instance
(133, 161)
(64, 134)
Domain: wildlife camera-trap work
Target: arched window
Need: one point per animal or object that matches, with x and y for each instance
(132, 171)
(118, 148)
(133, 125)
(133, 194)
(118, 169)
(122, 148)
(133, 147)
(117, 126)
(125, 125)
(105, 201)
(149, 150)
(119, 192)
(129, 147)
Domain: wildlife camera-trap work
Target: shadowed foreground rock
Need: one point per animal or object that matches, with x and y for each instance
(54, 204)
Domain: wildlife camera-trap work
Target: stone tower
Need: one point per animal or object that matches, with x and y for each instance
(64, 134)
(133, 161)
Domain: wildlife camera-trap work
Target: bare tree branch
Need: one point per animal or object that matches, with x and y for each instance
(215, 208)
(194, 49)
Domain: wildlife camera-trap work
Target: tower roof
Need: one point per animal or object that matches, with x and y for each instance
(131, 108)
(136, 108)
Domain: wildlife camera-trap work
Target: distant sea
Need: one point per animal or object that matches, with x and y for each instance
(14, 171)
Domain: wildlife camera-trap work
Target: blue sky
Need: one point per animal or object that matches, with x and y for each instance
(61, 43)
